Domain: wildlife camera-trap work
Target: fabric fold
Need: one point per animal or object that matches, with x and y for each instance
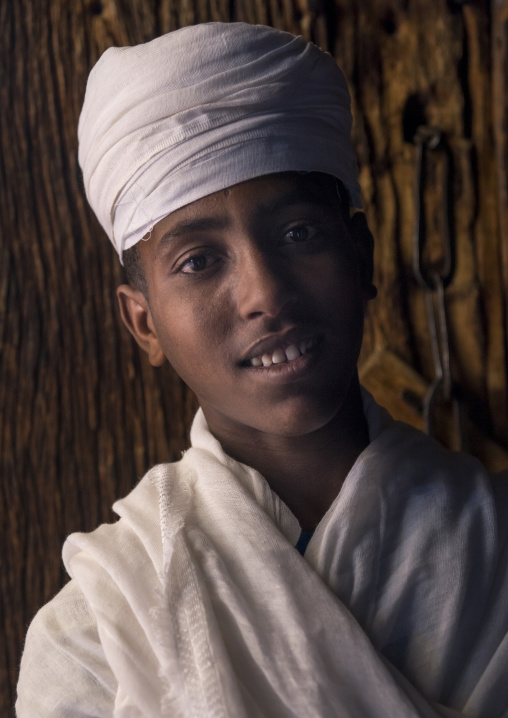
(203, 607)
(200, 109)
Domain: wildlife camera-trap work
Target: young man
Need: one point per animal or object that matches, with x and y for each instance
(307, 556)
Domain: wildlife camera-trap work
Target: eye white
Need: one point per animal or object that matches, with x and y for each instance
(200, 262)
(301, 233)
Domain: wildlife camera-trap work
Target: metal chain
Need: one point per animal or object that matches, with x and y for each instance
(433, 278)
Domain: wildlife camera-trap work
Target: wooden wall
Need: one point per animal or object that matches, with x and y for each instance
(82, 414)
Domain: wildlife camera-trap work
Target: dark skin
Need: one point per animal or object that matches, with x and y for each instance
(264, 267)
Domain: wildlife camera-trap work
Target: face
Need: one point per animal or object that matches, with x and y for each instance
(256, 298)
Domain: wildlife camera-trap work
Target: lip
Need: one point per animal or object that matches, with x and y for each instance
(278, 341)
(287, 372)
(297, 370)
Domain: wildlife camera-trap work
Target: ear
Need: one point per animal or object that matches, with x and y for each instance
(137, 317)
(364, 244)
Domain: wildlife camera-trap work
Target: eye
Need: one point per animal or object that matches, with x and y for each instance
(301, 233)
(197, 263)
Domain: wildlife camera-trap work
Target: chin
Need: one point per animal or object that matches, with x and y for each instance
(303, 416)
(299, 421)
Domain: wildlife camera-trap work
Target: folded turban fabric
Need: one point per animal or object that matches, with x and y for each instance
(203, 108)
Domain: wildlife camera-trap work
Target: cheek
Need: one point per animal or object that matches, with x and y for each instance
(341, 295)
(338, 290)
(191, 331)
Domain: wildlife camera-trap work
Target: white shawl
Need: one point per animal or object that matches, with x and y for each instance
(196, 604)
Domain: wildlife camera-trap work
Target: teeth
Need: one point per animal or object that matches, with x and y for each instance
(279, 356)
(292, 352)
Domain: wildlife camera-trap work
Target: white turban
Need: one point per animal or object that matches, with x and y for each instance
(203, 108)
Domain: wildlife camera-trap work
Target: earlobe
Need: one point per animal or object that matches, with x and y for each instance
(137, 317)
(364, 243)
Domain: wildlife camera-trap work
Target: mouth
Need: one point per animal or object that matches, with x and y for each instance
(283, 354)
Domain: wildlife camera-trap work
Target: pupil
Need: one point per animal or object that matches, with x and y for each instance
(298, 234)
(197, 263)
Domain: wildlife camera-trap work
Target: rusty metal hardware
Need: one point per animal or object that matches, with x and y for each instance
(434, 277)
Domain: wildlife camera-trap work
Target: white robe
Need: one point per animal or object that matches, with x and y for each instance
(196, 603)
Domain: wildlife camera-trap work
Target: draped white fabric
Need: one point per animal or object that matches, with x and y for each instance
(203, 108)
(195, 603)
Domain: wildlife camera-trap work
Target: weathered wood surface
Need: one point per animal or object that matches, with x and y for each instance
(82, 414)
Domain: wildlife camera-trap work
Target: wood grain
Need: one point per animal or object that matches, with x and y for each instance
(82, 414)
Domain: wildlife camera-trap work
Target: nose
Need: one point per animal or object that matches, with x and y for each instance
(264, 286)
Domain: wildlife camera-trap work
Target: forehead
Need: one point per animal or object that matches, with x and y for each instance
(259, 196)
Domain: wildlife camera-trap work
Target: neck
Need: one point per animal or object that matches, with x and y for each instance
(307, 472)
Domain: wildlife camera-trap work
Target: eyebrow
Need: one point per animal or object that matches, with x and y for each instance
(201, 224)
(295, 197)
(207, 224)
